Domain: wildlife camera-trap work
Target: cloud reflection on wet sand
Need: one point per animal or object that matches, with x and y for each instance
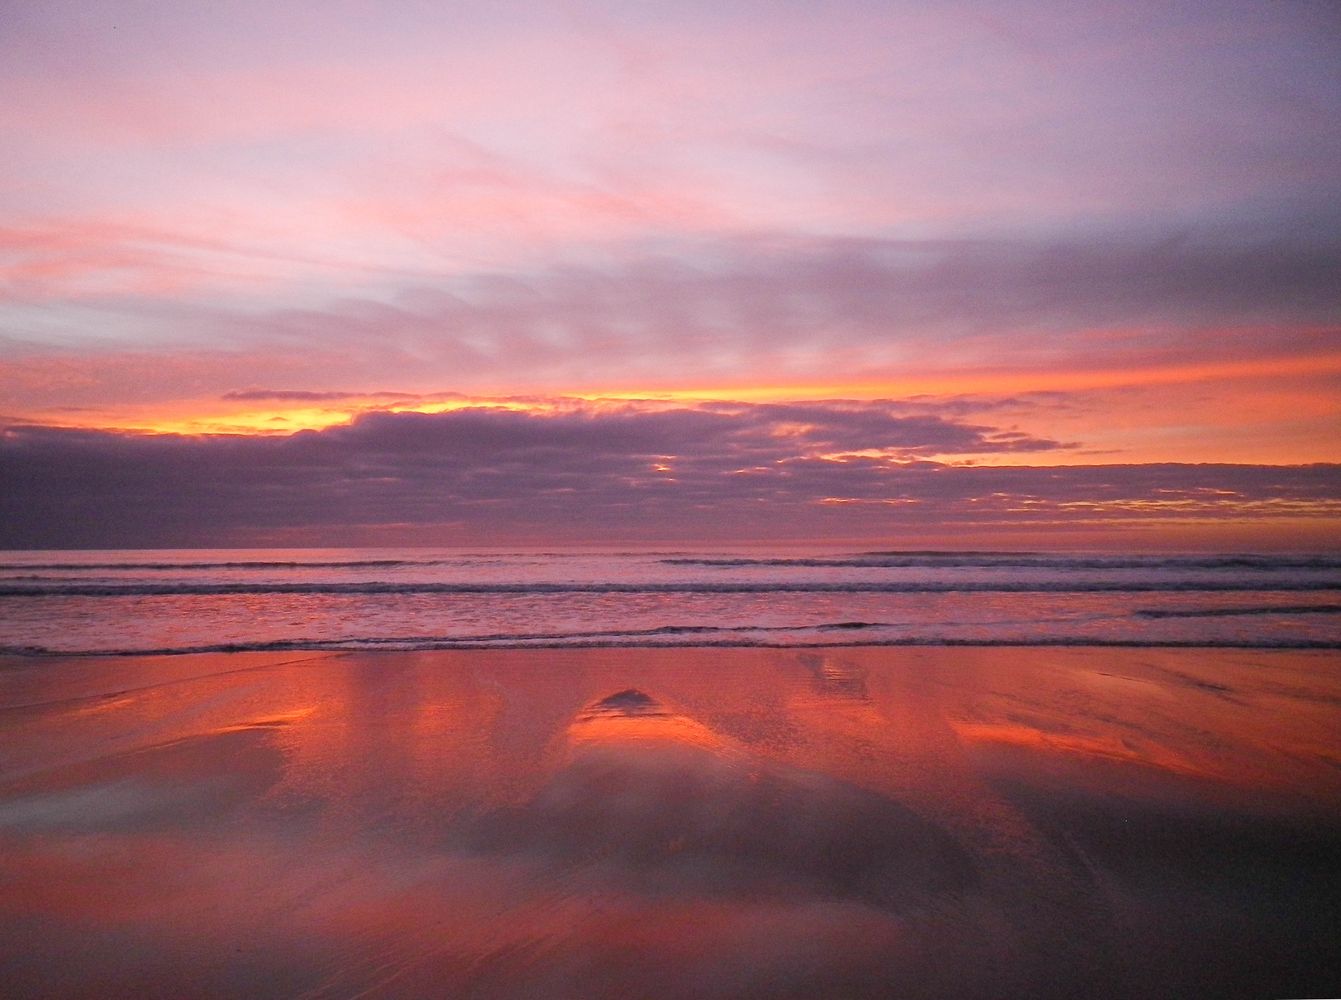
(873, 822)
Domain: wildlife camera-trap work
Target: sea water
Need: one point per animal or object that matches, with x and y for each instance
(168, 601)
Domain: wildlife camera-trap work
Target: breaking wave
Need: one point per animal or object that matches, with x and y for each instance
(699, 636)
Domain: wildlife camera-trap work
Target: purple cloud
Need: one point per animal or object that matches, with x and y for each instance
(731, 470)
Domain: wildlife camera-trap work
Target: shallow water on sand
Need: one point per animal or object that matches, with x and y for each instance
(673, 823)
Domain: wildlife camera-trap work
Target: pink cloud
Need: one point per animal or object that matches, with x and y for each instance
(515, 198)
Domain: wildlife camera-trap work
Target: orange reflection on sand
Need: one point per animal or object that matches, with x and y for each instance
(1111, 748)
(276, 720)
(699, 823)
(630, 716)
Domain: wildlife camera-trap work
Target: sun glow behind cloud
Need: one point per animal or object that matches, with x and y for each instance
(1111, 416)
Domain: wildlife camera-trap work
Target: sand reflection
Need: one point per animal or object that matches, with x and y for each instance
(660, 803)
(672, 823)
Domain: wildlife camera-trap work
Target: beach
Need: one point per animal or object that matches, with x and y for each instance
(678, 822)
(670, 501)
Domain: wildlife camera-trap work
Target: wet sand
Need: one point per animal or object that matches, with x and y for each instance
(969, 822)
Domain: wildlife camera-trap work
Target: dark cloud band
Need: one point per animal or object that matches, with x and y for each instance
(733, 470)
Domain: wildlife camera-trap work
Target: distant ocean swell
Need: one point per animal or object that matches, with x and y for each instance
(162, 589)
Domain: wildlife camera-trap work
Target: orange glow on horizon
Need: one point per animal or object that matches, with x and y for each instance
(1247, 412)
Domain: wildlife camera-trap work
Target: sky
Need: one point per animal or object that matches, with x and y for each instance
(341, 273)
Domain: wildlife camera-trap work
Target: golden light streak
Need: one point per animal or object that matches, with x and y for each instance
(277, 420)
(1267, 411)
(214, 415)
(985, 381)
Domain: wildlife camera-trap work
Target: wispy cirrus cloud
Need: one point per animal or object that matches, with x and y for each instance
(771, 307)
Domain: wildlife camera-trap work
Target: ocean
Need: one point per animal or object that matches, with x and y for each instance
(180, 601)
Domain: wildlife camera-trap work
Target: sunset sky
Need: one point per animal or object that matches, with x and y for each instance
(1036, 274)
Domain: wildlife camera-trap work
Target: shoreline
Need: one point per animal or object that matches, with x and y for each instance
(281, 646)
